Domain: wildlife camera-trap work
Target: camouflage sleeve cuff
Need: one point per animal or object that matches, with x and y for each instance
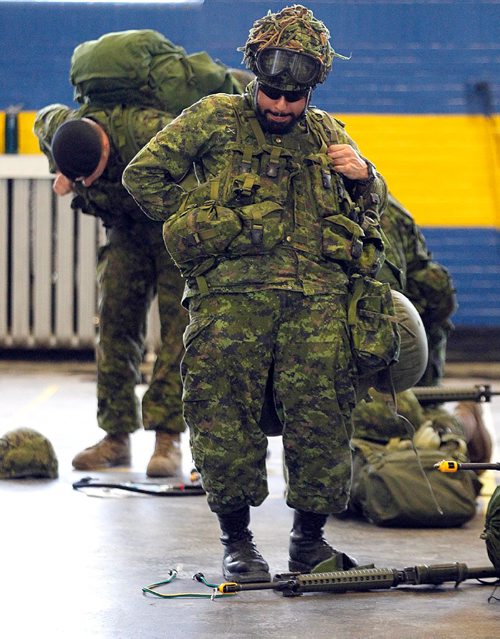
(372, 174)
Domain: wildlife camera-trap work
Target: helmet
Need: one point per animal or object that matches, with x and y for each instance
(410, 367)
(289, 50)
(76, 148)
(26, 453)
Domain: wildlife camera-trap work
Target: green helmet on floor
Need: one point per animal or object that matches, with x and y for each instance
(289, 50)
(26, 453)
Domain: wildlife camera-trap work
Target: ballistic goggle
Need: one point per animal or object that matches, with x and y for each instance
(303, 68)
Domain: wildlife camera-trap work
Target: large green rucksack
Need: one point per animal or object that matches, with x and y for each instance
(143, 67)
(394, 478)
(393, 487)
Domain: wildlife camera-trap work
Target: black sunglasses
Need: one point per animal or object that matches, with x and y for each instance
(290, 96)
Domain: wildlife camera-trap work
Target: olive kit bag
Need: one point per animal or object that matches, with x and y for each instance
(396, 484)
(141, 66)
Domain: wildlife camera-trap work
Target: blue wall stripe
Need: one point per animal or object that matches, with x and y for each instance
(420, 56)
(472, 255)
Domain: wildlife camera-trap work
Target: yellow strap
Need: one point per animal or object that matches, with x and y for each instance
(202, 284)
(247, 155)
(275, 155)
(248, 183)
(353, 302)
(257, 131)
(214, 189)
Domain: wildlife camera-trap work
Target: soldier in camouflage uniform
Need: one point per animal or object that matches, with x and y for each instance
(88, 149)
(267, 281)
(410, 269)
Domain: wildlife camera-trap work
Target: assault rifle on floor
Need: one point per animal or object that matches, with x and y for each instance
(176, 489)
(364, 579)
(439, 394)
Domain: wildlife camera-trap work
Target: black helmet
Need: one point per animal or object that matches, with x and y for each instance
(76, 148)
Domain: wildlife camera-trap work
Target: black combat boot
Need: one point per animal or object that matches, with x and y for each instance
(308, 548)
(242, 562)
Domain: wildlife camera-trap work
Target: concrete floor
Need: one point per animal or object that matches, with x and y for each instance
(73, 564)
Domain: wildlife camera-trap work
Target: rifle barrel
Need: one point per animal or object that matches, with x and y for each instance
(439, 394)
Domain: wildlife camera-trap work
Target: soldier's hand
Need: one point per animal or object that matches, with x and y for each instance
(347, 161)
(62, 185)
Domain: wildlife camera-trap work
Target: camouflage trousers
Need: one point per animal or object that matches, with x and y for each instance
(231, 342)
(132, 267)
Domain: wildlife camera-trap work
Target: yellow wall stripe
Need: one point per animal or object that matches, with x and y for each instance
(2, 132)
(444, 168)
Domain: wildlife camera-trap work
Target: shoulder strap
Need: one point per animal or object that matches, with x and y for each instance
(122, 131)
(322, 124)
(118, 122)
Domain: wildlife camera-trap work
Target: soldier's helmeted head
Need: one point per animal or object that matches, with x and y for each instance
(26, 453)
(76, 148)
(289, 50)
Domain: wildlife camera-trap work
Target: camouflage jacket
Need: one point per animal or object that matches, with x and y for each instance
(242, 168)
(129, 129)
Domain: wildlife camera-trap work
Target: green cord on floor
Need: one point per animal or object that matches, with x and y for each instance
(178, 595)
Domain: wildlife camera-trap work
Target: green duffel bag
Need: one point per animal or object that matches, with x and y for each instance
(392, 487)
(491, 533)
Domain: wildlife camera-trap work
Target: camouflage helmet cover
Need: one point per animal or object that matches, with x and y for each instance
(376, 419)
(294, 29)
(24, 452)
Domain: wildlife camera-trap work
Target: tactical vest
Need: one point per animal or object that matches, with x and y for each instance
(278, 190)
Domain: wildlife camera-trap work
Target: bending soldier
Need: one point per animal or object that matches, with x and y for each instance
(87, 152)
(410, 268)
(152, 81)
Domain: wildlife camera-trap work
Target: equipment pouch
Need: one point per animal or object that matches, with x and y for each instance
(262, 228)
(372, 255)
(375, 339)
(341, 238)
(324, 183)
(200, 232)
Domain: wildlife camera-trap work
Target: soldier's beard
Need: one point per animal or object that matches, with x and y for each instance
(272, 126)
